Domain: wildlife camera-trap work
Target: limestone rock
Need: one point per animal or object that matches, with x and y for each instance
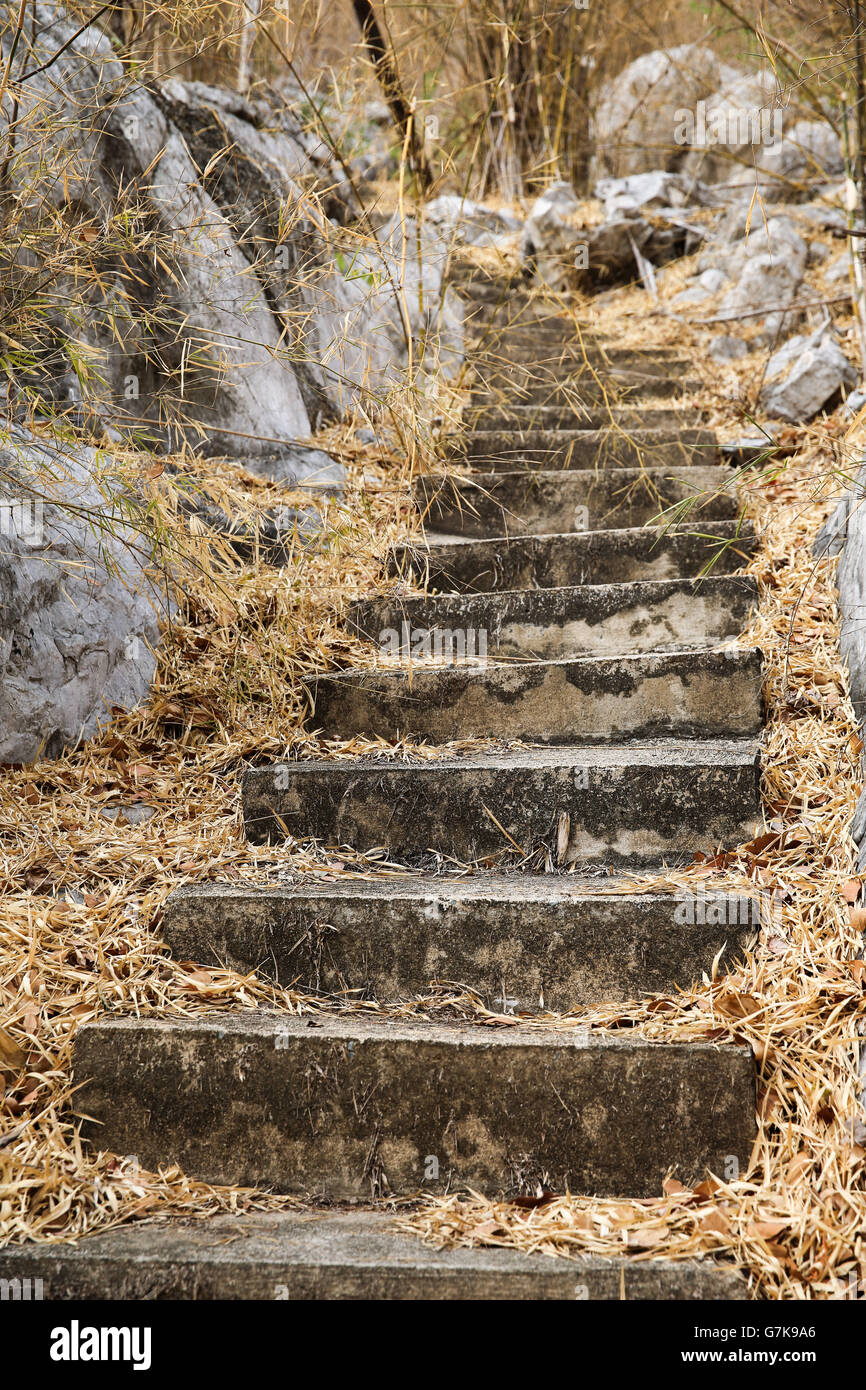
(79, 613)
(804, 377)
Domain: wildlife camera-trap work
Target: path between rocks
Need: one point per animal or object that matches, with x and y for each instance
(639, 719)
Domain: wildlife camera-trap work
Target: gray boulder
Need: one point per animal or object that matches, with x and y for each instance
(468, 223)
(80, 614)
(845, 532)
(254, 316)
(684, 110)
(226, 349)
(635, 121)
(767, 281)
(551, 236)
(805, 375)
(789, 169)
(656, 191)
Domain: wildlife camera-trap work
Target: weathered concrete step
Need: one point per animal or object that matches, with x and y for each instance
(532, 358)
(577, 700)
(591, 557)
(349, 1106)
(591, 620)
(519, 941)
(509, 449)
(536, 418)
(556, 500)
(337, 1256)
(614, 804)
(549, 387)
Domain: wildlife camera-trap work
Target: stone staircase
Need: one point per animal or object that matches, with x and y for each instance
(603, 653)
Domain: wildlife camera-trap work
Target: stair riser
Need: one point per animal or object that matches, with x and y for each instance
(568, 359)
(536, 418)
(707, 695)
(582, 388)
(349, 1112)
(510, 450)
(556, 623)
(550, 562)
(524, 504)
(516, 953)
(636, 812)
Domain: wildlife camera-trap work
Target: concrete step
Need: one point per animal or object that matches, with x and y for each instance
(590, 620)
(539, 503)
(617, 804)
(345, 1107)
(537, 418)
(591, 557)
(506, 450)
(337, 1256)
(579, 387)
(563, 358)
(573, 701)
(521, 942)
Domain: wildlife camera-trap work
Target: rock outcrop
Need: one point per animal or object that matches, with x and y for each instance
(80, 615)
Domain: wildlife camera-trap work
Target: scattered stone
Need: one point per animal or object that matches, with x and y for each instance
(725, 347)
(135, 814)
(550, 237)
(656, 191)
(817, 370)
(855, 403)
(840, 270)
(470, 224)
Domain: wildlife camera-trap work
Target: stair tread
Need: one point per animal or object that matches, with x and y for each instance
(514, 887)
(338, 1255)
(656, 752)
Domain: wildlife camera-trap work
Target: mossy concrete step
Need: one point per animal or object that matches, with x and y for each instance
(506, 417)
(575, 700)
(521, 942)
(590, 620)
(590, 557)
(556, 500)
(509, 449)
(617, 804)
(346, 1107)
(337, 1256)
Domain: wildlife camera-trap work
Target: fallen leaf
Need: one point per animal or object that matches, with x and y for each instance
(11, 1056)
(738, 1005)
(714, 1223)
(766, 1230)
